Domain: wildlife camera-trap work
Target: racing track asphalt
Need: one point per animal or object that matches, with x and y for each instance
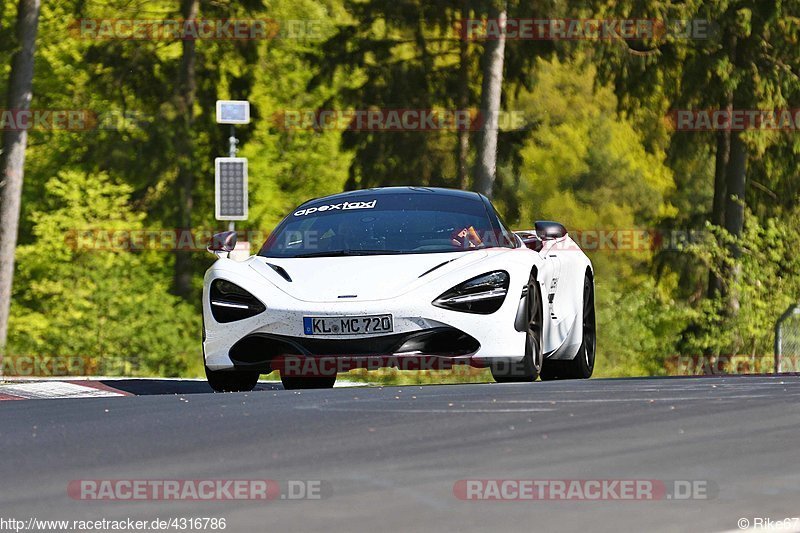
(390, 456)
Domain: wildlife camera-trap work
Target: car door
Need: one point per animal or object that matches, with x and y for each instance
(551, 276)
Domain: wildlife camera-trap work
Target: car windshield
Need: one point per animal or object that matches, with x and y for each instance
(385, 224)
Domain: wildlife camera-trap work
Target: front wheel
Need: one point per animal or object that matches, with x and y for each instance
(582, 366)
(527, 370)
(231, 380)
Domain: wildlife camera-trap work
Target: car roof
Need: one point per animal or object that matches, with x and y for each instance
(380, 191)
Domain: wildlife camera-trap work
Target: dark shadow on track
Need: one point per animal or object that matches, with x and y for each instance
(153, 387)
(150, 387)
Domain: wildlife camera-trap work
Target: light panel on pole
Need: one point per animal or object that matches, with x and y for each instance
(230, 188)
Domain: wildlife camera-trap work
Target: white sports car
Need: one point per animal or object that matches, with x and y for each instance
(409, 277)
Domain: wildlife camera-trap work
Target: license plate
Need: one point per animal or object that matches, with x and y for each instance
(347, 325)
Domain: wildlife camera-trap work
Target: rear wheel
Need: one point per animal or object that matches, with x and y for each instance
(231, 380)
(582, 366)
(531, 365)
(311, 382)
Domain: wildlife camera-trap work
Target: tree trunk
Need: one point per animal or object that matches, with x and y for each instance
(715, 286)
(12, 164)
(184, 146)
(462, 148)
(734, 208)
(491, 89)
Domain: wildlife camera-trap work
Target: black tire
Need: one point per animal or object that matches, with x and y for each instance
(530, 366)
(232, 380)
(551, 370)
(582, 366)
(311, 382)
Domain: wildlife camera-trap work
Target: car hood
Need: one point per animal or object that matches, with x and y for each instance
(361, 278)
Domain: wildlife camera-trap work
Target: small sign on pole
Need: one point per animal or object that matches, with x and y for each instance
(230, 186)
(233, 112)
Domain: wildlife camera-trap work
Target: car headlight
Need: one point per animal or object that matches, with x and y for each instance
(229, 302)
(483, 294)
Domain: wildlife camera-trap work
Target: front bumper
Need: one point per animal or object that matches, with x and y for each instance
(429, 348)
(421, 330)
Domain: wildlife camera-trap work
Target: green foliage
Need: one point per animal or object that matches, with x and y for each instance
(110, 307)
(769, 281)
(287, 167)
(399, 56)
(639, 325)
(585, 164)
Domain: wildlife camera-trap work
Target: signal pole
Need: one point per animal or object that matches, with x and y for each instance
(230, 173)
(232, 153)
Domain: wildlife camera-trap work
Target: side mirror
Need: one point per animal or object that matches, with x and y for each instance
(223, 242)
(530, 240)
(548, 230)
